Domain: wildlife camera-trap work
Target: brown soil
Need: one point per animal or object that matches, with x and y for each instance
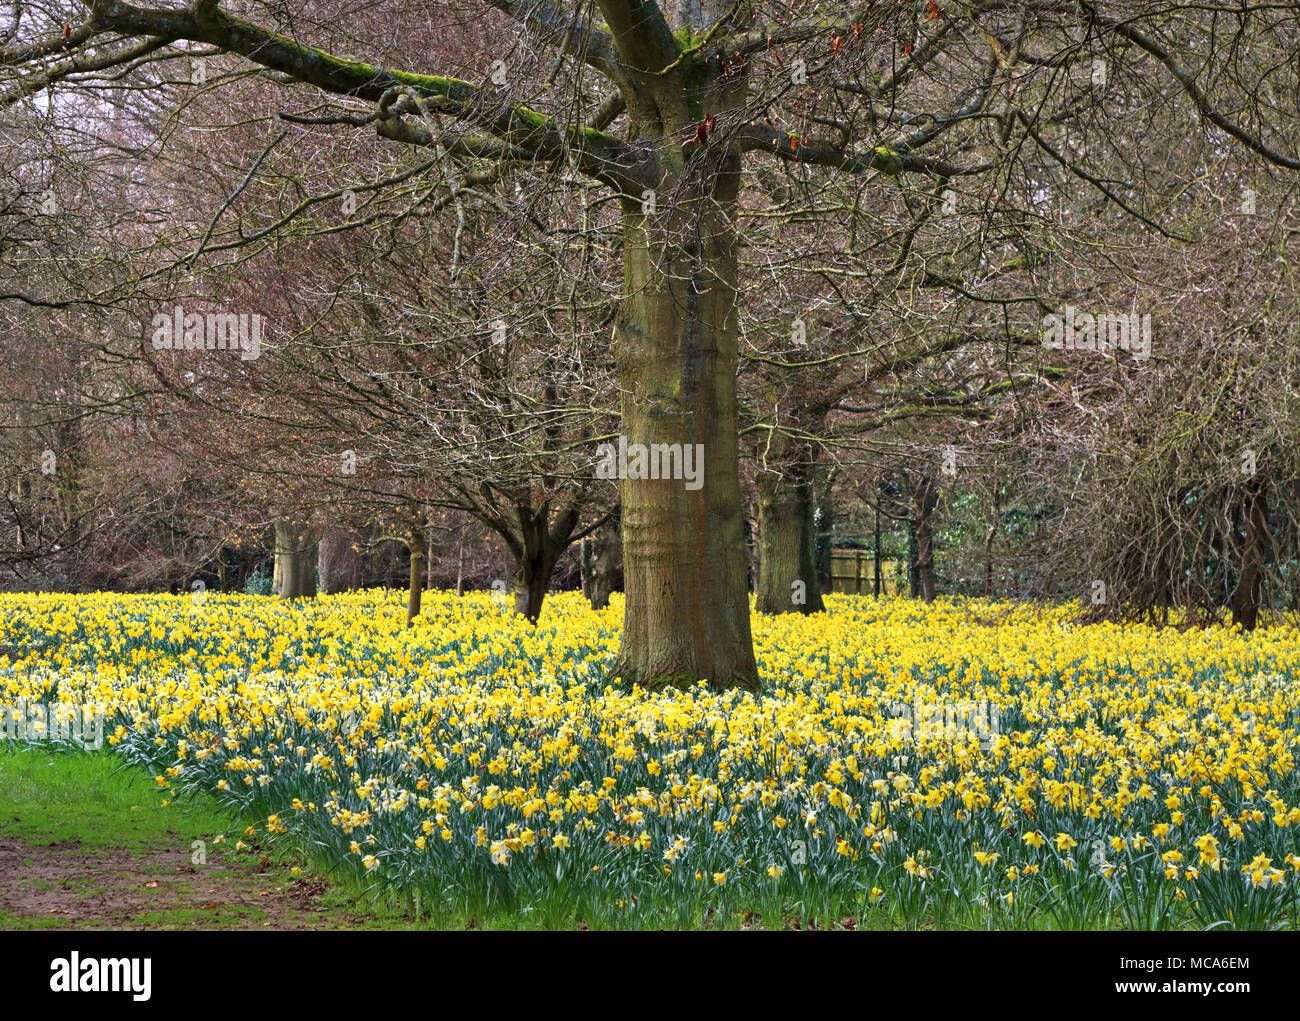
(66, 885)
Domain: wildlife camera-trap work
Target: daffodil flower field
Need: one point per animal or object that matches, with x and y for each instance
(1120, 777)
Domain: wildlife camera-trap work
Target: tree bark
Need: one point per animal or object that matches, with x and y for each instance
(416, 545)
(787, 571)
(875, 556)
(532, 578)
(336, 562)
(21, 537)
(536, 543)
(913, 567)
(823, 528)
(295, 561)
(597, 557)
(460, 564)
(676, 349)
(1248, 595)
(687, 608)
(926, 497)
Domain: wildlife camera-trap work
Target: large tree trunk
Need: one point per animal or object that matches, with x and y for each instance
(687, 608)
(1250, 583)
(787, 572)
(307, 577)
(295, 561)
(598, 554)
(337, 562)
(532, 578)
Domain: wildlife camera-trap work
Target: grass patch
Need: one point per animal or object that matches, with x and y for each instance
(49, 796)
(87, 841)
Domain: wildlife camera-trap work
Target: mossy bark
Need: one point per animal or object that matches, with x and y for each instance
(687, 606)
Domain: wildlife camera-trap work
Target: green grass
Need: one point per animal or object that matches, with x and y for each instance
(50, 796)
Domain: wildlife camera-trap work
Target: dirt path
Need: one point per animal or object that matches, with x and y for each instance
(67, 885)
